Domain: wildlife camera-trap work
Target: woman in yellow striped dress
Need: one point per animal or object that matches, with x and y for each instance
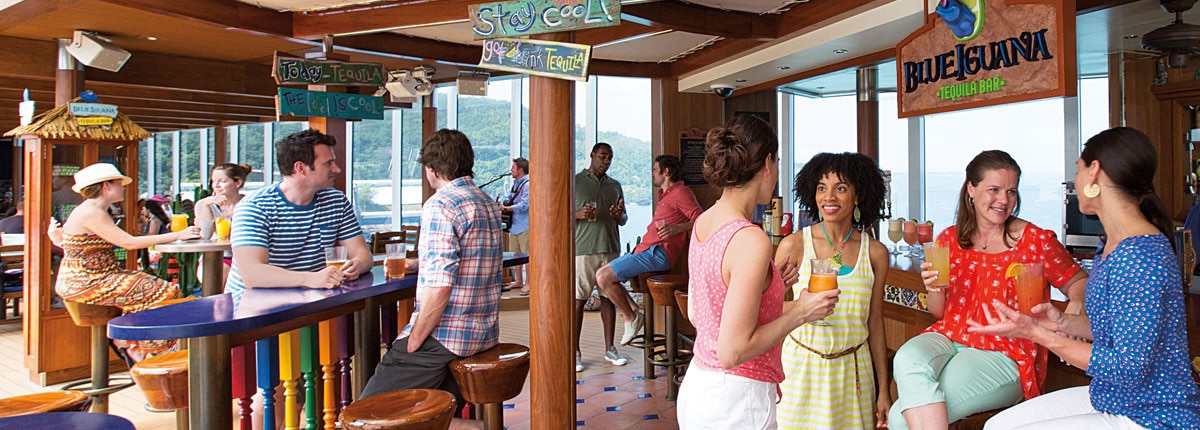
(832, 371)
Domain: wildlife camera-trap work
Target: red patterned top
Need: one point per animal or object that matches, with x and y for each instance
(977, 278)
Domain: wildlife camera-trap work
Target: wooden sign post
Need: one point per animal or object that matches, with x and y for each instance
(976, 53)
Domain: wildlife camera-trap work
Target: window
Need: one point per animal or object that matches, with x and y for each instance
(894, 156)
(250, 152)
(372, 171)
(190, 163)
(1024, 130)
(1093, 108)
(623, 121)
(487, 120)
(164, 155)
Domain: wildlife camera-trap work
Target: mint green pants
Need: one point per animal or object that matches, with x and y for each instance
(931, 368)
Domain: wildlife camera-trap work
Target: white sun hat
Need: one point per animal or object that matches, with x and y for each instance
(97, 173)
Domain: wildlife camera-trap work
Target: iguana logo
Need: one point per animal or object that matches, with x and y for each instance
(964, 17)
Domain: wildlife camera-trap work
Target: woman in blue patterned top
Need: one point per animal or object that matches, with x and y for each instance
(1135, 318)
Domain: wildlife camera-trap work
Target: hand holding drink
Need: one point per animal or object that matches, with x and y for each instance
(395, 266)
(335, 257)
(938, 255)
(822, 278)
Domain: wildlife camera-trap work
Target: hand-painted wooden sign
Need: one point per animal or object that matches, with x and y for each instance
(93, 109)
(975, 53)
(94, 120)
(289, 70)
(537, 57)
(291, 101)
(524, 17)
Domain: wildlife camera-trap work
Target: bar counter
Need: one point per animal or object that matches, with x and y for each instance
(215, 324)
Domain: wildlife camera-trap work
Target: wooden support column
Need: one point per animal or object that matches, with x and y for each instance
(428, 126)
(868, 112)
(552, 252)
(220, 144)
(335, 127)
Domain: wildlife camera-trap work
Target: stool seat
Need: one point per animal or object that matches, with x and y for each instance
(663, 287)
(164, 380)
(400, 410)
(974, 421)
(53, 401)
(681, 298)
(494, 375)
(91, 315)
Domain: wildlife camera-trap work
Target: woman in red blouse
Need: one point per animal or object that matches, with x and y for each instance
(948, 373)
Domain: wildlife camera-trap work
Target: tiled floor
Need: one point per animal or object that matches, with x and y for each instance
(607, 396)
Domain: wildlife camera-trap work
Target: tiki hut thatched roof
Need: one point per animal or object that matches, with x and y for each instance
(59, 123)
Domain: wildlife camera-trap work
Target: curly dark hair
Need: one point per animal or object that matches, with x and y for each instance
(733, 154)
(449, 154)
(858, 170)
(299, 146)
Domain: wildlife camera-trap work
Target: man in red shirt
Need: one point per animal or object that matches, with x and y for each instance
(661, 245)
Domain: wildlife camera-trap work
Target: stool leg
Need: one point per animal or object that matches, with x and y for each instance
(493, 416)
(181, 419)
(99, 367)
(648, 334)
(672, 389)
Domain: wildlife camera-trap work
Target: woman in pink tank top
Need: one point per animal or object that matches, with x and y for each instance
(736, 292)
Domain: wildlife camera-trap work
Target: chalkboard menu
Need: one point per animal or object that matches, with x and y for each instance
(691, 154)
(291, 101)
(537, 57)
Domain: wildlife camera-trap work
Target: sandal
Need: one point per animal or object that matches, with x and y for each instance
(525, 290)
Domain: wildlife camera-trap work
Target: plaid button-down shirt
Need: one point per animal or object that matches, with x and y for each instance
(461, 248)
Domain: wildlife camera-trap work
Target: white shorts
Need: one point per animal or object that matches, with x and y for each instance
(1069, 408)
(719, 401)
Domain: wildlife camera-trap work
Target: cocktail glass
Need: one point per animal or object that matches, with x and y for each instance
(925, 233)
(822, 278)
(939, 256)
(895, 233)
(1030, 286)
(179, 222)
(910, 237)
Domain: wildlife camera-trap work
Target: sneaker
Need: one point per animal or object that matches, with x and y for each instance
(632, 328)
(615, 357)
(578, 362)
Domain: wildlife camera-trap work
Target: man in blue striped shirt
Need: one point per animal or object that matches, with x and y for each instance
(281, 231)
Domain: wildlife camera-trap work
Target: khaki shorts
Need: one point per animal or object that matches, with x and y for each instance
(585, 273)
(518, 242)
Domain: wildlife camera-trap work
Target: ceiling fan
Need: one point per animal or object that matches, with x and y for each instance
(1177, 40)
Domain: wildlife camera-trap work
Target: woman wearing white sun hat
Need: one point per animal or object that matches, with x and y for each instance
(89, 272)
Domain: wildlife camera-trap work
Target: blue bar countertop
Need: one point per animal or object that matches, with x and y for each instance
(67, 420)
(259, 307)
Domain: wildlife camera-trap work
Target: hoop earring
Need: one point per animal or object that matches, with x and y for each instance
(857, 214)
(971, 200)
(1092, 191)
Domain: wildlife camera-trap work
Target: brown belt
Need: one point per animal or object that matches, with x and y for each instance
(827, 356)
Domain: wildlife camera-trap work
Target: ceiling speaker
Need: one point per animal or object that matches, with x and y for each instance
(95, 51)
(472, 84)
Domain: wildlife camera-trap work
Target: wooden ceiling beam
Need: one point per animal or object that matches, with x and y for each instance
(46, 101)
(227, 14)
(411, 48)
(694, 18)
(600, 35)
(167, 71)
(27, 57)
(117, 93)
(377, 17)
(24, 11)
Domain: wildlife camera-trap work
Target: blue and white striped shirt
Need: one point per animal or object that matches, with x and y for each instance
(295, 236)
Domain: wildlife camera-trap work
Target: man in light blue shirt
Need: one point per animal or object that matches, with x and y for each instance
(516, 202)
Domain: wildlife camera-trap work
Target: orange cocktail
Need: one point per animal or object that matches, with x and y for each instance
(1030, 286)
(938, 255)
(179, 222)
(823, 278)
(222, 227)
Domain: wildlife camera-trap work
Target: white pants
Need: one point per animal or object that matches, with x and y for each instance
(715, 400)
(1069, 408)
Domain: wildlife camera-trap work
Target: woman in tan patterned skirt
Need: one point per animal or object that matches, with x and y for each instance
(89, 272)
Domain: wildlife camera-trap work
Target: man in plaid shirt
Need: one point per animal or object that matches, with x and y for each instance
(458, 286)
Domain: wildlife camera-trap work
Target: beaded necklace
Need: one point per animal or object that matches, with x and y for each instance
(837, 256)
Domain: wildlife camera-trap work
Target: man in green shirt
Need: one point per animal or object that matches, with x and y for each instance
(599, 210)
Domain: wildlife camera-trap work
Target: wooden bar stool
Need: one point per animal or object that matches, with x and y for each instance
(416, 409)
(164, 380)
(681, 299)
(491, 377)
(40, 403)
(663, 288)
(647, 340)
(96, 317)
